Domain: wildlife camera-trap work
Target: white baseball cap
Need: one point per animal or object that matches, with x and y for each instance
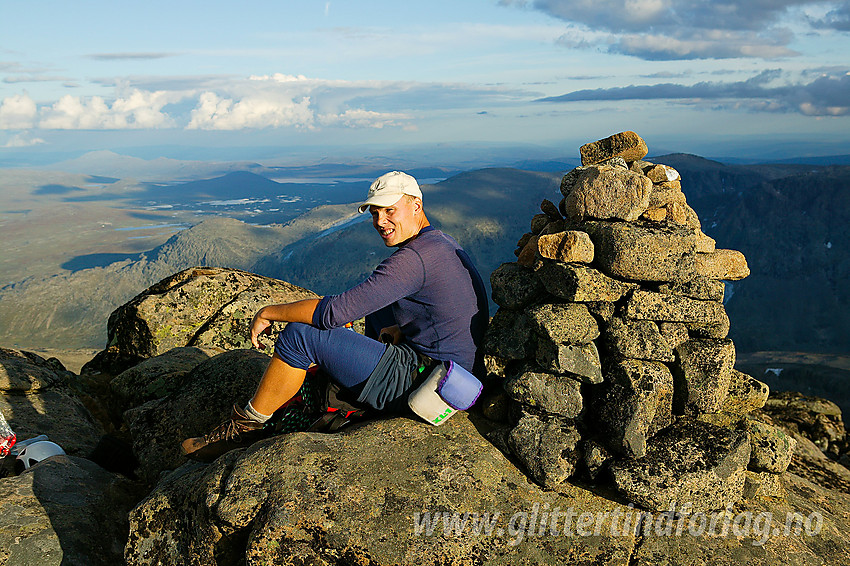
(388, 188)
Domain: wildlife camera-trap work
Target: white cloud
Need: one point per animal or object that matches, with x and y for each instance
(137, 110)
(257, 102)
(17, 112)
(217, 113)
(23, 139)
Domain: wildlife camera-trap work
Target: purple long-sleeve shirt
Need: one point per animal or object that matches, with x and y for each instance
(437, 297)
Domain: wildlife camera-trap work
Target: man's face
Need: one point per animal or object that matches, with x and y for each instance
(399, 222)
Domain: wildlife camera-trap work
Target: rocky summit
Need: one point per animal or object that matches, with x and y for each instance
(614, 428)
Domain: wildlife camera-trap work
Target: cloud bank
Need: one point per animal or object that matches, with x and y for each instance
(827, 95)
(691, 29)
(258, 102)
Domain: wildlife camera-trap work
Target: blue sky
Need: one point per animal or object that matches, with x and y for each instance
(714, 78)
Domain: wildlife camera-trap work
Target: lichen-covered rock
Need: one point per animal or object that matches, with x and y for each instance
(569, 246)
(729, 265)
(699, 287)
(604, 192)
(509, 336)
(662, 307)
(569, 323)
(627, 145)
(746, 394)
(64, 510)
(204, 307)
(35, 399)
(717, 329)
(681, 213)
(569, 181)
(705, 244)
(814, 418)
(637, 403)
(579, 360)
(156, 377)
(514, 286)
(638, 339)
(548, 448)
(643, 251)
(772, 448)
(555, 394)
(581, 284)
(662, 196)
(295, 499)
(763, 484)
(690, 461)
(675, 333)
(203, 401)
(703, 372)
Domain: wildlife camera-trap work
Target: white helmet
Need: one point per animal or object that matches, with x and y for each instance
(35, 453)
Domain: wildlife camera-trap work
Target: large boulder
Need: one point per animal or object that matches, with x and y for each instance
(643, 251)
(605, 192)
(377, 494)
(693, 462)
(35, 398)
(65, 510)
(206, 307)
(814, 418)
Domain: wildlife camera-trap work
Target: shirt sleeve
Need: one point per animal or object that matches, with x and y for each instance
(400, 275)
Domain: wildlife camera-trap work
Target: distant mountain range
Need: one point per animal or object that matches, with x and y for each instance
(790, 220)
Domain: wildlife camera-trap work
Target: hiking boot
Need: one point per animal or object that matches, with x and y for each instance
(239, 431)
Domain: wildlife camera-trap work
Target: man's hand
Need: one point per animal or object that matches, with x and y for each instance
(390, 334)
(299, 311)
(260, 325)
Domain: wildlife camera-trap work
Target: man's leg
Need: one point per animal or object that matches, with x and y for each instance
(349, 358)
(279, 384)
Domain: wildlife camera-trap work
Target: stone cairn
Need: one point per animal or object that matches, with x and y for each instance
(611, 337)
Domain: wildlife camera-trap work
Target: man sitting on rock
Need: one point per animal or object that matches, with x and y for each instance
(426, 301)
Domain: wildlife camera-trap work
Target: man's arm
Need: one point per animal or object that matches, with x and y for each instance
(299, 311)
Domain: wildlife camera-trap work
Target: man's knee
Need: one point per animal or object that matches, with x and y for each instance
(291, 344)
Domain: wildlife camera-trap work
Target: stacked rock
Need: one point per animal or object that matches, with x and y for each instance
(612, 336)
